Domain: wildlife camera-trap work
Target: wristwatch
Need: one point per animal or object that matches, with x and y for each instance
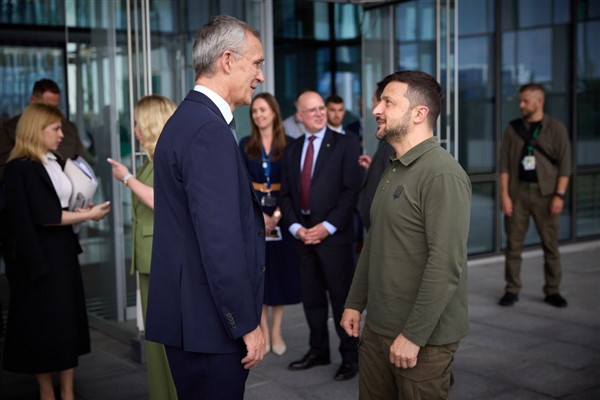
(560, 195)
(125, 178)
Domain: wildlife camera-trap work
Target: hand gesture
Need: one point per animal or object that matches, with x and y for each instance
(119, 170)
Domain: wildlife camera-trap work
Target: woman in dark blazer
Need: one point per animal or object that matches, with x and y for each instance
(47, 325)
(151, 115)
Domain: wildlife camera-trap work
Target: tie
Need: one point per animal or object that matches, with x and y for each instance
(306, 175)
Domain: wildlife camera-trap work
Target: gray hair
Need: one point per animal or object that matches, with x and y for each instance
(220, 34)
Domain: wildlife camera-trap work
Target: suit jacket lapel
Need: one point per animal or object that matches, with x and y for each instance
(324, 153)
(295, 162)
(41, 170)
(198, 97)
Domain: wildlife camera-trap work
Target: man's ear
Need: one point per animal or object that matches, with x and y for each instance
(226, 61)
(420, 114)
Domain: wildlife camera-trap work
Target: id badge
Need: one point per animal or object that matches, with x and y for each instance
(268, 201)
(529, 163)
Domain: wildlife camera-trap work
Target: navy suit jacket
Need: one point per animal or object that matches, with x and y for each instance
(208, 253)
(334, 185)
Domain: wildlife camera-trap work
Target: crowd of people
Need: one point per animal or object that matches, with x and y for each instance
(225, 234)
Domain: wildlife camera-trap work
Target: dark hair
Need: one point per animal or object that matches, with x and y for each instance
(254, 143)
(44, 85)
(423, 89)
(335, 99)
(532, 86)
(378, 90)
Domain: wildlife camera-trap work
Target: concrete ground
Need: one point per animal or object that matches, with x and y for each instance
(531, 351)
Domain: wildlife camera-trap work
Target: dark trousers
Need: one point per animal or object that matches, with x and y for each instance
(326, 270)
(531, 202)
(381, 380)
(204, 376)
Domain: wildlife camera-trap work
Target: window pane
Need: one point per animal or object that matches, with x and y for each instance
(483, 225)
(33, 12)
(347, 21)
(476, 105)
(588, 205)
(475, 17)
(533, 13)
(588, 94)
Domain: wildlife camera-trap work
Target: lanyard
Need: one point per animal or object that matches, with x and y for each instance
(266, 165)
(535, 133)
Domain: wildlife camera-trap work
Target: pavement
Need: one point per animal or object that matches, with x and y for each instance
(531, 351)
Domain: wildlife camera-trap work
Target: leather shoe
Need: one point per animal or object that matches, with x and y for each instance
(509, 299)
(556, 300)
(309, 361)
(346, 371)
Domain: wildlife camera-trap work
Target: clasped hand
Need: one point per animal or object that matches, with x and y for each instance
(314, 235)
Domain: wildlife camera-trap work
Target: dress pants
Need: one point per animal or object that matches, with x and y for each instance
(381, 380)
(326, 270)
(206, 376)
(531, 202)
(160, 382)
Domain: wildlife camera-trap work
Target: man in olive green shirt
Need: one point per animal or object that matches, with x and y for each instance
(412, 273)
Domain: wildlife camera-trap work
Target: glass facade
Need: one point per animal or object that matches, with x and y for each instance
(105, 56)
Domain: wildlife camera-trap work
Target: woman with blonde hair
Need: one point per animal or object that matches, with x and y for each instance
(47, 327)
(151, 115)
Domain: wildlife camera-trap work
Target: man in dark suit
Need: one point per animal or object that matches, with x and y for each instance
(206, 285)
(320, 184)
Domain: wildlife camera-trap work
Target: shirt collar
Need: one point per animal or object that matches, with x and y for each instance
(413, 154)
(218, 100)
(318, 135)
(49, 156)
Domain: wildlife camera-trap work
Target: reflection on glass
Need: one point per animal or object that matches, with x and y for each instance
(588, 205)
(476, 104)
(588, 96)
(21, 67)
(483, 225)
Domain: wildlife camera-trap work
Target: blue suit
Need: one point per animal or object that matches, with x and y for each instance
(208, 254)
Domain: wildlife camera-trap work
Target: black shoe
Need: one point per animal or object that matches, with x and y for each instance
(556, 300)
(309, 361)
(509, 299)
(346, 371)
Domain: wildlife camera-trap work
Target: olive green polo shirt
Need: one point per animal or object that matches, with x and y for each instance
(412, 273)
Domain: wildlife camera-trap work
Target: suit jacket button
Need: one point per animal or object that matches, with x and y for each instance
(261, 233)
(263, 268)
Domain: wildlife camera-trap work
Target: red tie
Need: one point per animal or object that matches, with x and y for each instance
(306, 175)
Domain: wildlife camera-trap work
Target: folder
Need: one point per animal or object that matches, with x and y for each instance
(84, 183)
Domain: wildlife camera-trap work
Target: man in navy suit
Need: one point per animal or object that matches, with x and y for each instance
(318, 213)
(208, 255)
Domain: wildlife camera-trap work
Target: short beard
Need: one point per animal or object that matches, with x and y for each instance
(396, 133)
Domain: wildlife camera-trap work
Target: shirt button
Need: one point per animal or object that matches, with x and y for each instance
(394, 170)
